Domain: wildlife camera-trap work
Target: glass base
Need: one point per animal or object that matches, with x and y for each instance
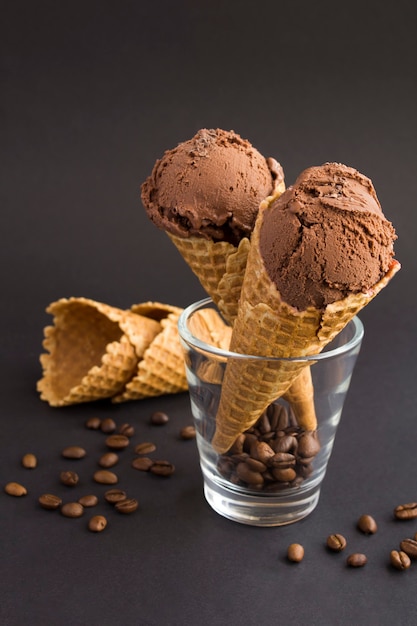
(260, 510)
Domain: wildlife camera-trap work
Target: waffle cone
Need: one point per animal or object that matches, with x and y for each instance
(208, 261)
(161, 370)
(266, 325)
(92, 350)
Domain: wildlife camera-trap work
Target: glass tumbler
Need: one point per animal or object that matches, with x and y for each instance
(273, 472)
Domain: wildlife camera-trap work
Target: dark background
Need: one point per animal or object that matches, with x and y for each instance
(92, 94)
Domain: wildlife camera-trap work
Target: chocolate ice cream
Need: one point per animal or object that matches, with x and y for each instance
(326, 237)
(210, 186)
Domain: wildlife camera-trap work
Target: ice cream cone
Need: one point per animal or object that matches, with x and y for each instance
(92, 350)
(269, 327)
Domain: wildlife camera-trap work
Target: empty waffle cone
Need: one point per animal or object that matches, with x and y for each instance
(92, 350)
(268, 326)
(161, 370)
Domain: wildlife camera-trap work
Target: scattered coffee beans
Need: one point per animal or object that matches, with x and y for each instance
(188, 432)
(356, 560)
(73, 452)
(29, 461)
(108, 425)
(409, 546)
(295, 552)
(400, 560)
(127, 430)
(406, 511)
(109, 459)
(127, 506)
(15, 489)
(115, 495)
(68, 478)
(162, 468)
(367, 524)
(336, 542)
(143, 463)
(97, 523)
(105, 477)
(88, 500)
(145, 448)
(93, 423)
(72, 509)
(49, 501)
(117, 442)
(159, 418)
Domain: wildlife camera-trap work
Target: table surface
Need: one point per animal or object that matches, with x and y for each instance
(93, 93)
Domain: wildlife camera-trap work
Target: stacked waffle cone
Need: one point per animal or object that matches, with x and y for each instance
(96, 351)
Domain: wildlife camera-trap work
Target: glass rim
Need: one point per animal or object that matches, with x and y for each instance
(190, 339)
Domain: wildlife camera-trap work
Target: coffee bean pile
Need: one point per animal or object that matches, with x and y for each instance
(273, 455)
(117, 440)
(401, 558)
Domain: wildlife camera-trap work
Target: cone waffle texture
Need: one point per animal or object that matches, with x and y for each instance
(161, 371)
(267, 326)
(208, 260)
(92, 350)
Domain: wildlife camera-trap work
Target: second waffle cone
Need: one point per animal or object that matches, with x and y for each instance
(269, 327)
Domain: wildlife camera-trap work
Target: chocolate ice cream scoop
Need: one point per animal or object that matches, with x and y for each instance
(326, 237)
(210, 186)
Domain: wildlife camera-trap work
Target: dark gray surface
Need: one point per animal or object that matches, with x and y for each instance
(92, 93)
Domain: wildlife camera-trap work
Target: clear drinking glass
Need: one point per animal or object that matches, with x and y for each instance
(282, 486)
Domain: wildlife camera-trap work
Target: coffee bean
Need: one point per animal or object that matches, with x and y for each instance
(336, 542)
(88, 500)
(367, 524)
(284, 475)
(68, 478)
(127, 429)
(255, 465)
(308, 445)
(29, 461)
(49, 501)
(117, 442)
(162, 468)
(261, 451)
(145, 448)
(97, 523)
(406, 511)
(159, 418)
(109, 459)
(73, 452)
(282, 460)
(15, 489)
(400, 560)
(105, 477)
(93, 423)
(130, 505)
(188, 433)
(295, 552)
(249, 476)
(115, 495)
(142, 463)
(356, 560)
(286, 443)
(108, 425)
(72, 509)
(409, 546)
